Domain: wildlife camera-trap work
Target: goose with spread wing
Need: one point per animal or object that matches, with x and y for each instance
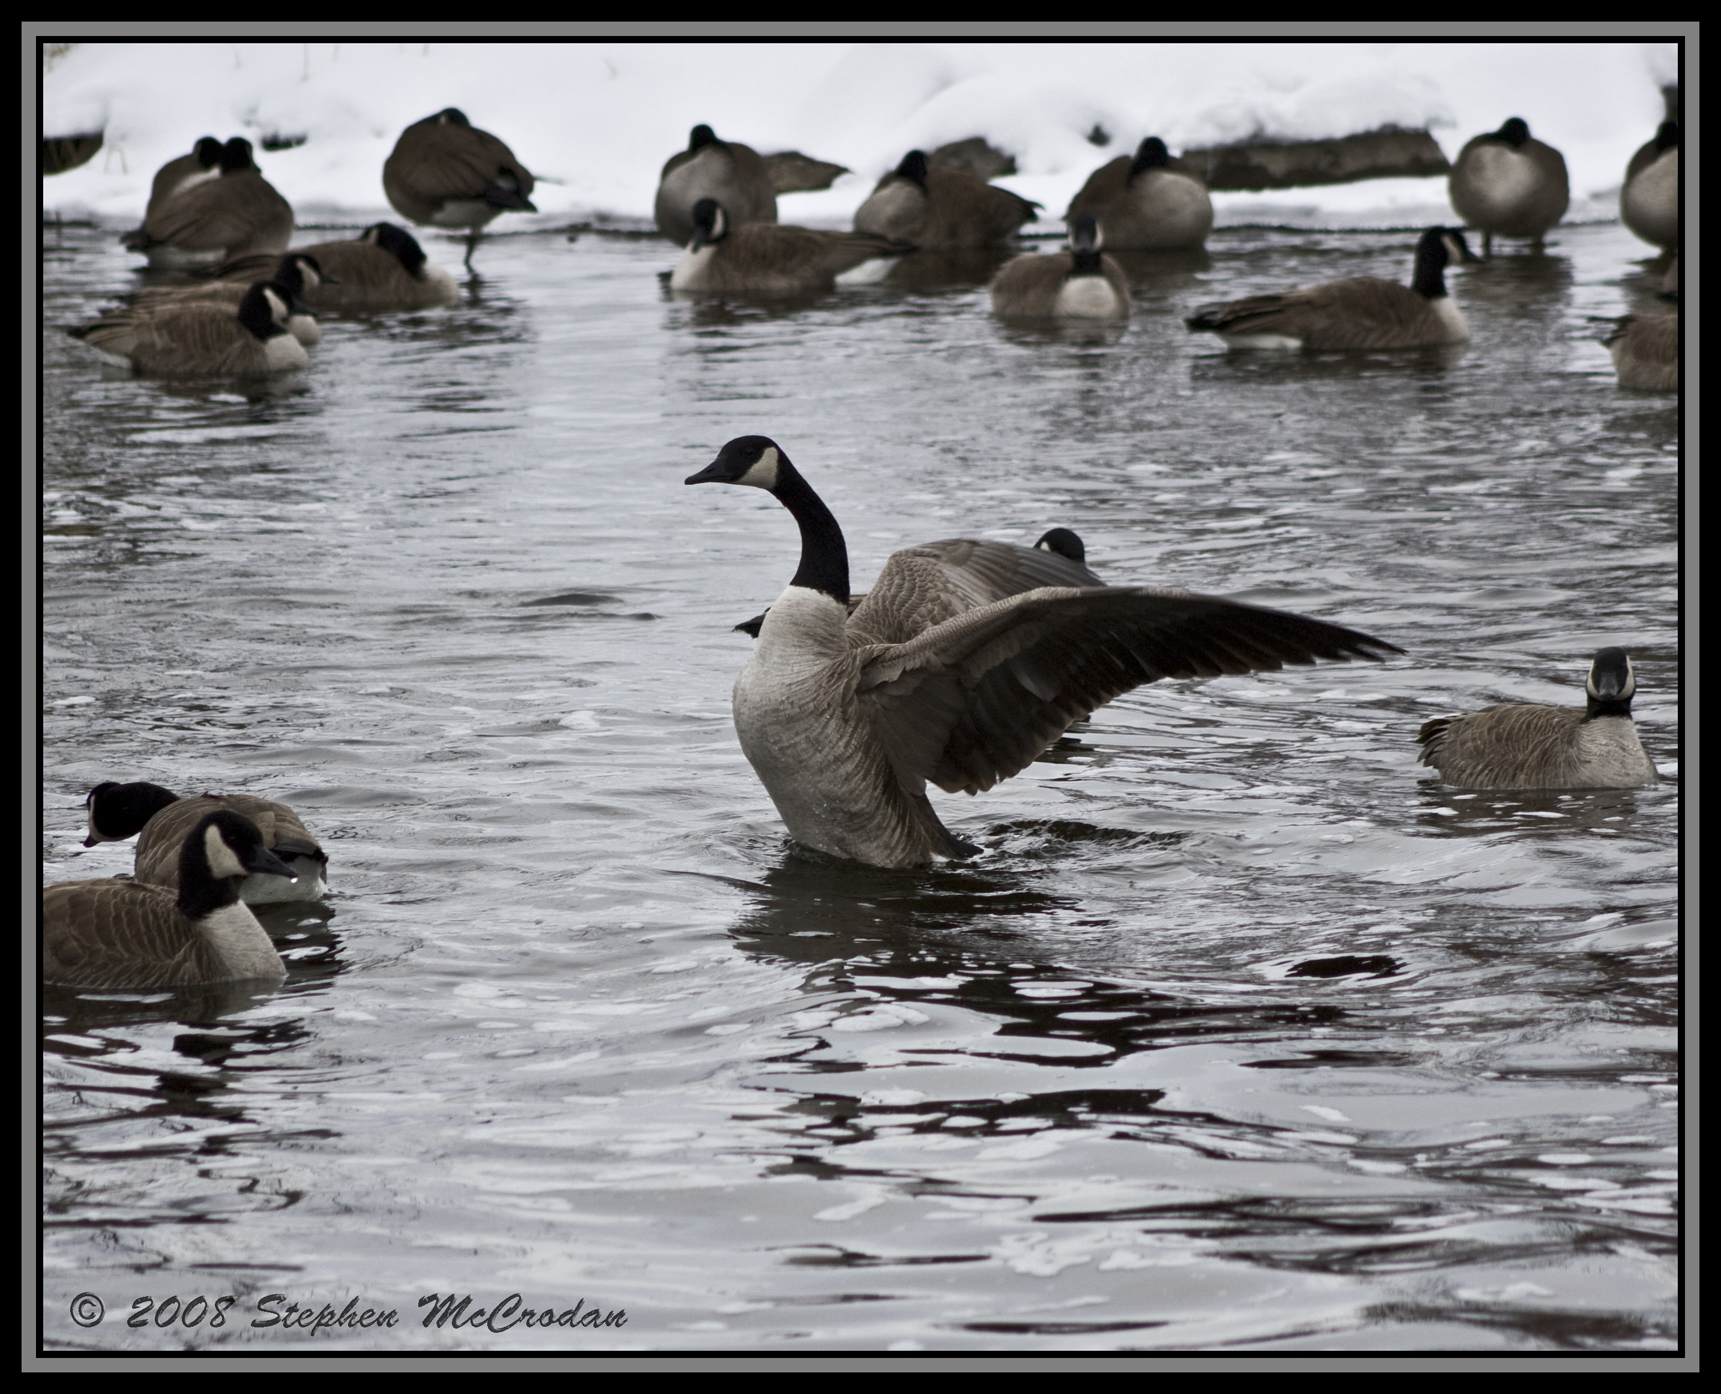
(963, 663)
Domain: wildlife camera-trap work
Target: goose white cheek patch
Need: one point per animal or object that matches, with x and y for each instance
(762, 474)
(222, 862)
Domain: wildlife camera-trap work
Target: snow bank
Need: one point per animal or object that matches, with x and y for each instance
(599, 119)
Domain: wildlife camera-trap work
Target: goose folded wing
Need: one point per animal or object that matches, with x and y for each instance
(227, 212)
(921, 587)
(475, 166)
(972, 701)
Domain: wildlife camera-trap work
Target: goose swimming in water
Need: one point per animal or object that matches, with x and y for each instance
(200, 338)
(938, 207)
(773, 258)
(161, 821)
(963, 663)
(1528, 746)
(381, 269)
(208, 220)
(1082, 283)
(297, 272)
(1364, 312)
(112, 934)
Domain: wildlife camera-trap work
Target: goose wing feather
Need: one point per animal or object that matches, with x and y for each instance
(1359, 313)
(237, 211)
(440, 162)
(976, 698)
(119, 934)
(1513, 746)
(202, 332)
(158, 845)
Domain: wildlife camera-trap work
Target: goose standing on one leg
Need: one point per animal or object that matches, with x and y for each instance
(1529, 746)
(1509, 184)
(1364, 312)
(112, 934)
(161, 821)
(965, 661)
(1082, 283)
(445, 172)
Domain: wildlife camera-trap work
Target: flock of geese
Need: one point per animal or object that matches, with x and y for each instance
(965, 660)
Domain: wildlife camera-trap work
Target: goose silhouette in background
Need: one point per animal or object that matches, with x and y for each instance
(445, 172)
(725, 170)
(1081, 283)
(202, 338)
(936, 207)
(774, 258)
(210, 220)
(204, 162)
(964, 662)
(1529, 746)
(382, 269)
(1508, 184)
(1649, 198)
(1143, 204)
(112, 934)
(1363, 312)
(161, 821)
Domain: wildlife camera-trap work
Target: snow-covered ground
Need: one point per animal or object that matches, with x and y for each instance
(599, 119)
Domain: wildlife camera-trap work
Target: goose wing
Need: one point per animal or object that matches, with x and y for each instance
(922, 587)
(118, 934)
(1362, 312)
(1512, 746)
(169, 336)
(445, 162)
(158, 845)
(236, 211)
(973, 700)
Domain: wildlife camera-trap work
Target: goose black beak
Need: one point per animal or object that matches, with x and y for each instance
(711, 474)
(265, 860)
(89, 842)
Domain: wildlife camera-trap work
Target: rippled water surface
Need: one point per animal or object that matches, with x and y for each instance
(1241, 1032)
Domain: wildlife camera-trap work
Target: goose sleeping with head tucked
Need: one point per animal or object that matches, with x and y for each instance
(963, 663)
(1363, 312)
(1529, 746)
(201, 338)
(775, 259)
(383, 268)
(122, 934)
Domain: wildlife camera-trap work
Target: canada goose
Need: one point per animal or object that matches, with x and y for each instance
(383, 268)
(769, 258)
(215, 219)
(727, 171)
(1060, 540)
(1523, 746)
(203, 163)
(119, 811)
(297, 273)
(122, 934)
(202, 339)
(941, 207)
(1143, 205)
(1645, 351)
(1507, 183)
(965, 661)
(1363, 312)
(1082, 283)
(1649, 199)
(445, 172)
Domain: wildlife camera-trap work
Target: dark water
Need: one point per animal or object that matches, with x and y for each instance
(1241, 1033)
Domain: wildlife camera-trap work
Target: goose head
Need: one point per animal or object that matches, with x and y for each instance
(236, 156)
(399, 243)
(115, 812)
(1515, 132)
(913, 167)
(1667, 135)
(1085, 243)
(222, 850)
(759, 463)
(208, 151)
(1150, 154)
(700, 137)
(1611, 684)
(451, 116)
(1065, 543)
(265, 309)
(1436, 249)
(299, 273)
(710, 226)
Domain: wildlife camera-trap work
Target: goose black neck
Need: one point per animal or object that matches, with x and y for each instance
(824, 554)
(1085, 263)
(201, 892)
(1429, 281)
(1606, 706)
(1151, 155)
